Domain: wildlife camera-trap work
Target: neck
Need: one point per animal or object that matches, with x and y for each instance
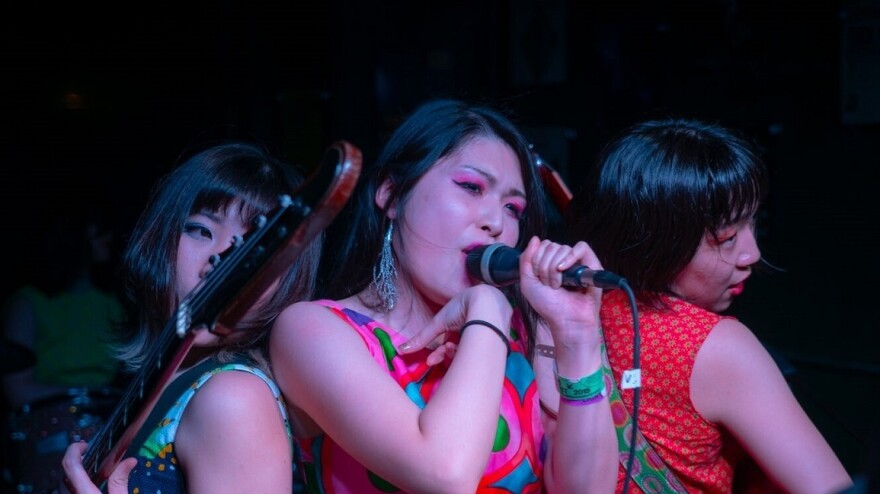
(410, 314)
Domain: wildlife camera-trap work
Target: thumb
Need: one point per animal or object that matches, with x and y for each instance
(118, 481)
(417, 342)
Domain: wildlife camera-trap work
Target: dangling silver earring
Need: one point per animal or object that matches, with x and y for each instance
(385, 274)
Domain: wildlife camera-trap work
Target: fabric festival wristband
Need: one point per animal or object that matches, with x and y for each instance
(490, 326)
(583, 389)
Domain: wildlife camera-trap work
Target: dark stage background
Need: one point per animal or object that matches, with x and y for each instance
(102, 102)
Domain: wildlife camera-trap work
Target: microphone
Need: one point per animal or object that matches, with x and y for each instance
(498, 265)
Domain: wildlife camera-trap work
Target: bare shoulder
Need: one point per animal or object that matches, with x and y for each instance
(303, 311)
(230, 396)
(728, 339)
(731, 366)
(733, 348)
(309, 332)
(303, 321)
(234, 425)
(231, 408)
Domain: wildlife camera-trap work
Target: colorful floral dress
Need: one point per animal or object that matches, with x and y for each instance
(517, 459)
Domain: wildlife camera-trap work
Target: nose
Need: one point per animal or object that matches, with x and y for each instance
(492, 220)
(750, 253)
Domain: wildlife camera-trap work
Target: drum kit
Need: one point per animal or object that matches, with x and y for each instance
(37, 434)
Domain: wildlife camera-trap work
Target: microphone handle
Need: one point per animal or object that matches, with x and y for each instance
(498, 265)
(582, 276)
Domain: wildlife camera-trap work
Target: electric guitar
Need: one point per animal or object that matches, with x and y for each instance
(556, 188)
(238, 278)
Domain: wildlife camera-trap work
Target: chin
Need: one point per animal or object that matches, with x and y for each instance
(722, 305)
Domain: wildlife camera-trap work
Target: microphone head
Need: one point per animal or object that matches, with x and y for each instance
(473, 261)
(495, 264)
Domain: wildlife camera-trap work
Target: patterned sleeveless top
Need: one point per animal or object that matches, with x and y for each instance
(158, 470)
(690, 445)
(517, 460)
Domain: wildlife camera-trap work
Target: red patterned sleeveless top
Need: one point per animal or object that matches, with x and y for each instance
(690, 445)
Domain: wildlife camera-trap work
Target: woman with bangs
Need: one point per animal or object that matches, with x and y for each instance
(221, 423)
(671, 207)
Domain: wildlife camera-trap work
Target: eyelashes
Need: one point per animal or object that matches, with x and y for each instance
(196, 230)
(473, 187)
(477, 189)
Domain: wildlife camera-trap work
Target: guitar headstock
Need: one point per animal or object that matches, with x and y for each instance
(319, 199)
(556, 188)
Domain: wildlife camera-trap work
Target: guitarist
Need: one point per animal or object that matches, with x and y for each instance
(220, 424)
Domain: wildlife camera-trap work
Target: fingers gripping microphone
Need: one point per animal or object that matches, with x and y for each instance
(498, 265)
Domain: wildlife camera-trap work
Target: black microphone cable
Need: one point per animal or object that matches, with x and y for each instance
(637, 385)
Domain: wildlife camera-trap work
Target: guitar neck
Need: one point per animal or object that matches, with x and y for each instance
(108, 447)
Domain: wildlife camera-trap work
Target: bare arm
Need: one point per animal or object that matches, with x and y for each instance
(583, 445)
(325, 370)
(736, 383)
(232, 438)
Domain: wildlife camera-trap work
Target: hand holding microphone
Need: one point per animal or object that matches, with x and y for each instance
(498, 265)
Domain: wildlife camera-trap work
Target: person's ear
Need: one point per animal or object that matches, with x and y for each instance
(383, 194)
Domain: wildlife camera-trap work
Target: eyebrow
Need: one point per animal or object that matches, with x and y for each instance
(210, 214)
(513, 191)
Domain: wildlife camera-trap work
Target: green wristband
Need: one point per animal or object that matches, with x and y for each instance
(584, 388)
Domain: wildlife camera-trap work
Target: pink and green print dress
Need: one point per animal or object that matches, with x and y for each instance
(517, 459)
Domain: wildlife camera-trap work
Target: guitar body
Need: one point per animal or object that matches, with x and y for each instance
(236, 282)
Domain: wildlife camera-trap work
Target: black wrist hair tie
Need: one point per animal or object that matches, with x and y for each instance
(493, 328)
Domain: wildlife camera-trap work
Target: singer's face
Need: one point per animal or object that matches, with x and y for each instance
(718, 270)
(472, 197)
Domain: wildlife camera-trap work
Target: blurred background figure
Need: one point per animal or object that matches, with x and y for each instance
(57, 369)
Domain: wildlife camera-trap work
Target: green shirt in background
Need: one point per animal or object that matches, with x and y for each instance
(74, 331)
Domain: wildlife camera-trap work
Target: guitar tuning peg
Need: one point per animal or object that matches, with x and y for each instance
(537, 157)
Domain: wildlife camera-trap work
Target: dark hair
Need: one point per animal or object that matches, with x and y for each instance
(433, 131)
(240, 174)
(656, 190)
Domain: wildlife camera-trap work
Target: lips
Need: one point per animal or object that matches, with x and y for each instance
(472, 247)
(738, 288)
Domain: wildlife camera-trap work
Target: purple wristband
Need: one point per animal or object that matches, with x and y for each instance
(580, 403)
